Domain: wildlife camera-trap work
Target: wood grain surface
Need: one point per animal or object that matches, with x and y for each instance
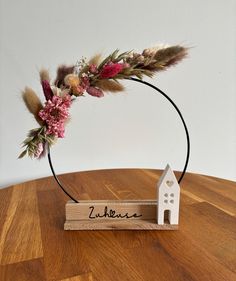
(34, 246)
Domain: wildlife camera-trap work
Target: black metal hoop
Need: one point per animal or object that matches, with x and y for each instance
(183, 122)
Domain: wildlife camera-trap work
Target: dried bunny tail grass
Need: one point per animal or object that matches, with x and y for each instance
(32, 102)
(44, 75)
(182, 53)
(62, 71)
(152, 50)
(96, 59)
(170, 55)
(110, 86)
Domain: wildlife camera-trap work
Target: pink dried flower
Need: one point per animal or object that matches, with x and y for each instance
(67, 100)
(84, 82)
(126, 65)
(111, 69)
(95, 92)
(93, 68)
(47, 90)
(55, 113)
(39, 150)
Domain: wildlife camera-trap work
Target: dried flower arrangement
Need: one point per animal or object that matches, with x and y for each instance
(93, 77)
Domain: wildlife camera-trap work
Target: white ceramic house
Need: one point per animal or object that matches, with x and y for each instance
(168, 195)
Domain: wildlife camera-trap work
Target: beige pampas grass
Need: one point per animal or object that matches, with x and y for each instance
(44, 75)
(96, 59)
(32, 102)
(110, 86)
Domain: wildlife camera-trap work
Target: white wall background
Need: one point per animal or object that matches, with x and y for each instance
(132, 129)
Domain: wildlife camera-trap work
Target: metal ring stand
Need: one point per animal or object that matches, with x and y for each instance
(183, 122)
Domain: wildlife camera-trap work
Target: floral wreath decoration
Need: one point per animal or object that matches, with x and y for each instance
(93, 77)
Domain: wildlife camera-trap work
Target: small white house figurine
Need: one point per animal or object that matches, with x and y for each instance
(168, 195)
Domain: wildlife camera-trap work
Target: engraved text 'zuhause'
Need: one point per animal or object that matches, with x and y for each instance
(110, 214)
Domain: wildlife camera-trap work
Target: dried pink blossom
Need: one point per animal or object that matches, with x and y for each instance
(93, 68)
(55, 113)
(126, 65)
(111, 69)
(66, 99)
(84, 83)
(95, 92)
(39, 150)
(47, 90)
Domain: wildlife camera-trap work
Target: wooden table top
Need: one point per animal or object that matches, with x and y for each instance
(34, 246)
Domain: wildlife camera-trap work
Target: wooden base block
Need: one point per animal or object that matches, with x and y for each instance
(114, 214)
(117, 225)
